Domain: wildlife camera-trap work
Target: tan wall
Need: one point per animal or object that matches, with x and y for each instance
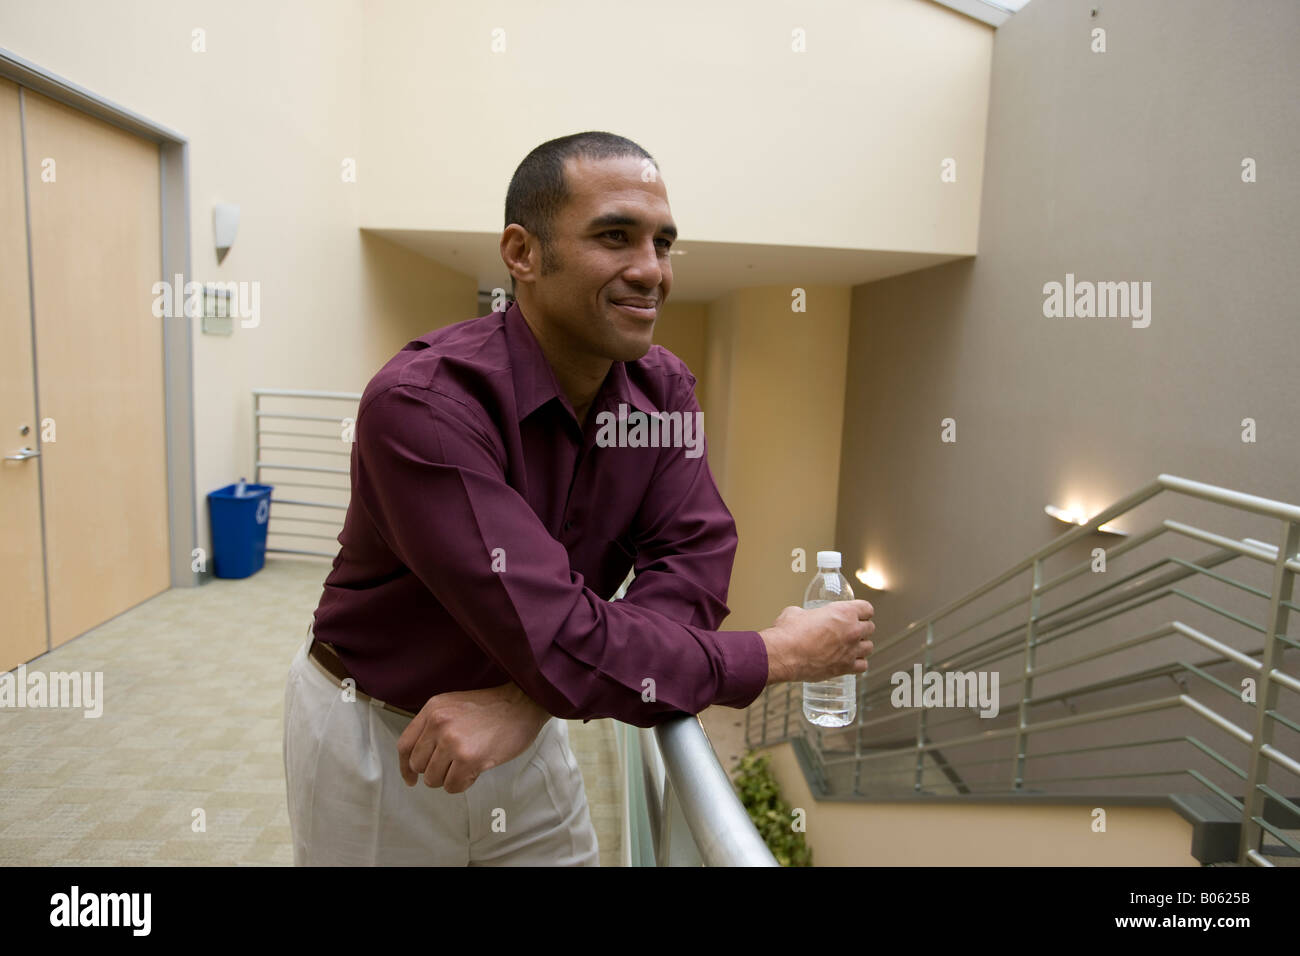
(405, 295)
(980, 834)
(773, 421)
(839, 146)
(271, 109)
(682, 329)
(720, 334)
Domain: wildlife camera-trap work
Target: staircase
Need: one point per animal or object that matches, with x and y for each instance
(1139, 667)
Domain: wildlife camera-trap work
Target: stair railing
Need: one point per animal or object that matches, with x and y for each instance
(1085, 631)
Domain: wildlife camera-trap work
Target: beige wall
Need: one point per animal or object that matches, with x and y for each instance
(1117, 166)
(773, 421)
(271, 114)
(839, 146)
(842, 833)
(271, 109)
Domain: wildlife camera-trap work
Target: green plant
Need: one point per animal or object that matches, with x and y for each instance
(758, 790)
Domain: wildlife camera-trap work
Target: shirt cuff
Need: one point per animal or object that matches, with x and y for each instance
(744, 656)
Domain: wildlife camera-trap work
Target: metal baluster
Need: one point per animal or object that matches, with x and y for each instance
(1266, 694)
(257, 439)
(920, 724)
(1022, 729)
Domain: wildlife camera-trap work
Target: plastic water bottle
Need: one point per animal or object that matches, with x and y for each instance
(834, 702)
(241, 489)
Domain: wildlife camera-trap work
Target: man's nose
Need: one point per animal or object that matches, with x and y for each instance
(646, 269)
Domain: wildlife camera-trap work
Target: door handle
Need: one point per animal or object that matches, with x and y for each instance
(23, 455)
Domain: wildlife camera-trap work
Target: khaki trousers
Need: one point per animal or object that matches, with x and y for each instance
(348, 804)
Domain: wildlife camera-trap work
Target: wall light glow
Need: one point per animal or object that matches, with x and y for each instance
(1075, 514)
(872, 578)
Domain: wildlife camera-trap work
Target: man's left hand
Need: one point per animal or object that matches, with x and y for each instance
(458, 735)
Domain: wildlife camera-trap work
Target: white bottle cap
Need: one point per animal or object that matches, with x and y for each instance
(828, 559)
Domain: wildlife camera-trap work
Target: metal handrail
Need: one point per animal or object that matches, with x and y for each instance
(308, 399)
(721, 828)
(679, 808)
(1076, 620)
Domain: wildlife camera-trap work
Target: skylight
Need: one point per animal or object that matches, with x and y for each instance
(993, 12)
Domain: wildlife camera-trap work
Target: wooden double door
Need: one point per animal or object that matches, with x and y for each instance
(83, 481)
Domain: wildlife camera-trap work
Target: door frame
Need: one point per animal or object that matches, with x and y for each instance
(178, 333)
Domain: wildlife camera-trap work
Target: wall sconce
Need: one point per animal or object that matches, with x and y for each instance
(872, 578)
(1076, 517)
(225, 223)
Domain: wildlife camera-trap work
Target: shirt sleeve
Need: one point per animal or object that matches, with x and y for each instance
(431, 475)
(685, 538)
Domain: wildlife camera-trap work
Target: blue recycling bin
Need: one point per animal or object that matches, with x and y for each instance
(238, 525)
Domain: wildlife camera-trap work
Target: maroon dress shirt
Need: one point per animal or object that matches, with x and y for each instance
(488, 529)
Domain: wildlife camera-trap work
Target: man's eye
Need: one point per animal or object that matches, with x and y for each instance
(667, 243)
(621, 234)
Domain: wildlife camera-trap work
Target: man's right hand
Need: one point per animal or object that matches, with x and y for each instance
(821, 643)
(461, 734)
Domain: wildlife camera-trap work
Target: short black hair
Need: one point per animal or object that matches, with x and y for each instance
(538, 191)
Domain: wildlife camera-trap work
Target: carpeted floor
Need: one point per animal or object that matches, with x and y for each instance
(193, 687)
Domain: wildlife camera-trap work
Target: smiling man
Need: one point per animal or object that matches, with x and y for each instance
(467, 613)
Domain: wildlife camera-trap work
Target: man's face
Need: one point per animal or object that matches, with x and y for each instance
(610, 246)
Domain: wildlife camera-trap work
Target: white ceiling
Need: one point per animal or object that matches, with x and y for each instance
(704, 272)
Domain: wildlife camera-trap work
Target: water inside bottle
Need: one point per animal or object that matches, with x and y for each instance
(830, 703)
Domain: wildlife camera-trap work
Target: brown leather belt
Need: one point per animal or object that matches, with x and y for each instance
(327, 659)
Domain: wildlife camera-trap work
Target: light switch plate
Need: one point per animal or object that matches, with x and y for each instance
(218, 318)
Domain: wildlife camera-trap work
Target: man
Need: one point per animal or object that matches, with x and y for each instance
(468, 609)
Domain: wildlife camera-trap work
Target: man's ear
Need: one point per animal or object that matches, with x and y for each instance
(518, 249)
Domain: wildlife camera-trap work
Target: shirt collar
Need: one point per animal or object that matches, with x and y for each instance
(535, 382)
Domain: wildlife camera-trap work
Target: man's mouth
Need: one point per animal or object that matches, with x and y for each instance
(639, 307)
